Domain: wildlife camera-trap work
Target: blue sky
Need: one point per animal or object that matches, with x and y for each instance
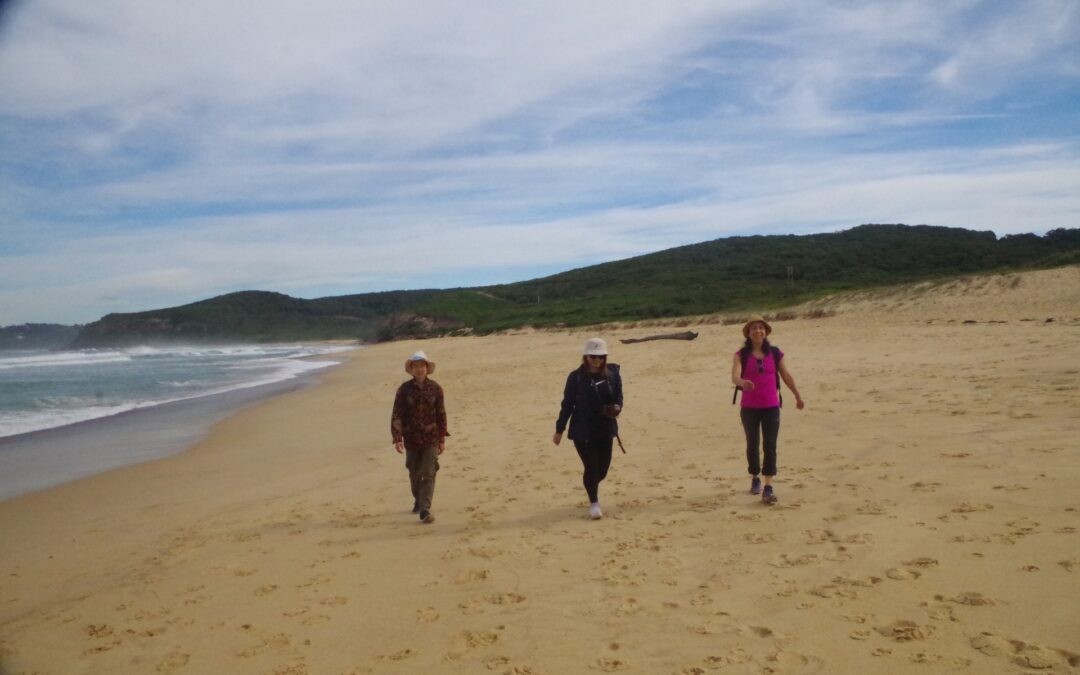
(158, 153)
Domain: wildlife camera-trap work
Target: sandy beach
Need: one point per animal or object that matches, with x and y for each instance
(927, 519)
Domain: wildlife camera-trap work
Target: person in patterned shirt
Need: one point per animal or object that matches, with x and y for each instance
(418, 427)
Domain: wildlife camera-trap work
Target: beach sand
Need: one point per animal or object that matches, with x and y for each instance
(927, 518)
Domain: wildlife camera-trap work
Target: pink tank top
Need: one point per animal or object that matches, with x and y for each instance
(762, 372)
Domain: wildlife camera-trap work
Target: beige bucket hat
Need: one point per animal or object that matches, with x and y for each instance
(754, 318)
(595, 347)
(419, 356)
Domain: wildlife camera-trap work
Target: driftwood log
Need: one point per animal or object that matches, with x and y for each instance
(688, 335)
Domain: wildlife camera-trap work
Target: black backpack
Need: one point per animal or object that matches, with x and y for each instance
(744, 356)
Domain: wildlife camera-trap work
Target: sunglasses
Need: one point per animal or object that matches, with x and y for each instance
(760, 366)
(594, 356)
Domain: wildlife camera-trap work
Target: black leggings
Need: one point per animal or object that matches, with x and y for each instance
(595, 455)
(767, 421)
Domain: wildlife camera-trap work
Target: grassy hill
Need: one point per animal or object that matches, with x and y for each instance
(724, 275)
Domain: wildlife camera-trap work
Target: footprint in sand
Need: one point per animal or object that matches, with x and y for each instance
(790, 662)
(427, 615)
(487, 552)
(316, 620)
(759, 538)
(102, 647)
(1022, 527)
(470, 607)
(857, 581)
(274, 642)
(795, 561)
(401, 655)
(869, 508)
(625, 579)
(966, 507)
(99, 630)
(172, 661)
(923, 486)
(608, 665)
(628, 607)
(500, 661)
(735, 657)
(971, 598)
(315, 581)
(470, 640)
(939, 610)
(471, 576)
(1024, 654)
(506, 599)
(905, 631)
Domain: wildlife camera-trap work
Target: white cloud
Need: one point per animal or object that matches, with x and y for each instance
(161, 153)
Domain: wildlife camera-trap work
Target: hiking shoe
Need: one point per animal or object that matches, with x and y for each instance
(416, 506)
(768, 496)
(755, 486)
(427, 517)
(594, 511)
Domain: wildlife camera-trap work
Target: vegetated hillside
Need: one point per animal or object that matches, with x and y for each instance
(724, 275)
(758, 272)
(37, 336)
(257, 316)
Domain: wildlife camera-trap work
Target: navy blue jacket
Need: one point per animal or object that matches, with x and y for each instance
(583, 398)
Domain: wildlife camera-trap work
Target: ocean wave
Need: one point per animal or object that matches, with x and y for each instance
(59, 409)
(55, 359)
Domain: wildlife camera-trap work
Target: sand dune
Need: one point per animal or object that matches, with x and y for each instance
(927, 520)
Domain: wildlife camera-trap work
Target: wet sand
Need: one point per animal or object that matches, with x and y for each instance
(41, 459)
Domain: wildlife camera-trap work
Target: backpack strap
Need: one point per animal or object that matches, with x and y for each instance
(776, 366)
(744, 353)
(744, 356)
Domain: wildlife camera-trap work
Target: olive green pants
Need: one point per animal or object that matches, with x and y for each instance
(422, 464)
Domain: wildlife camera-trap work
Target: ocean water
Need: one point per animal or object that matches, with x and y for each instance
(43, 390)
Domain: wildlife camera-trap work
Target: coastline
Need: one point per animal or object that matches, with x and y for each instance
(47, 458)
(927, 520)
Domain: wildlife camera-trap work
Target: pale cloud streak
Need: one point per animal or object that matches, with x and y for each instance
(160, 153)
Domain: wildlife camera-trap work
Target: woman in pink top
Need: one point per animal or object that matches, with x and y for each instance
(754, 370)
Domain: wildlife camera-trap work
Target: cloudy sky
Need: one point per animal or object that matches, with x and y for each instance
(155, 153)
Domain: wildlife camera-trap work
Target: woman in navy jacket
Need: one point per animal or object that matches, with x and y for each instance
(592, 399)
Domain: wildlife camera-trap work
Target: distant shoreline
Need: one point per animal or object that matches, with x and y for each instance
(37, 460)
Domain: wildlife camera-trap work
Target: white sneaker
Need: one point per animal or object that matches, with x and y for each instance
(594, 511)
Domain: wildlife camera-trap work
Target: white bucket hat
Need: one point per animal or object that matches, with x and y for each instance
(595, 347)
(419, 356)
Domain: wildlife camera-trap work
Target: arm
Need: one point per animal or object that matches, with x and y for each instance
(736, 374)
(440, 415)
(790, 382)
(396, 424)
(567, 407)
